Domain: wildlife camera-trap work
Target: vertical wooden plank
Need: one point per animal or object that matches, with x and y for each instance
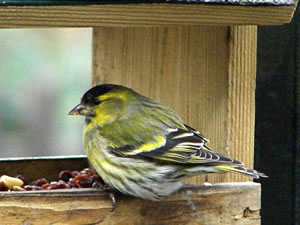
(241, 95)
(188, 69)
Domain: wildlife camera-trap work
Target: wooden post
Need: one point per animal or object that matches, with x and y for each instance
(205, 73)
(241, 94)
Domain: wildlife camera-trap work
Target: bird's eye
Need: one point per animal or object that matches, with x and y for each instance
(96, 101)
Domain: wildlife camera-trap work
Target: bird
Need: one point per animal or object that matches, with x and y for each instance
(143, 148)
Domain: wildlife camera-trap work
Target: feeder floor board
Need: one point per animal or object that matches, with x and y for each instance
(218, 204)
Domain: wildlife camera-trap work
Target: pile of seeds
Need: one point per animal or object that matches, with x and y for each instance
(67, 179)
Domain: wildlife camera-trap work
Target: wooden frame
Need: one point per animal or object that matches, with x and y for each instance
(162, 51)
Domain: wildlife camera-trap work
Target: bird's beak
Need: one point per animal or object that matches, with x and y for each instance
(81, 110)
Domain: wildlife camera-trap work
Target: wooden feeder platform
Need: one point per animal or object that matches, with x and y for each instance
(198, 57)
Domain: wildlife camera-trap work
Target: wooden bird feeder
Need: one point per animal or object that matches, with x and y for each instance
(198, 57)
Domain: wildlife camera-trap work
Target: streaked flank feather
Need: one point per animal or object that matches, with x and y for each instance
(142, 148)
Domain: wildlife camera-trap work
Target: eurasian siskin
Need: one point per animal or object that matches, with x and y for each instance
(143, 148)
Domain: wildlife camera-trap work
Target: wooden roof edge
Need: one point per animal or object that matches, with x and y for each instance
(136, 2)
(142, 15)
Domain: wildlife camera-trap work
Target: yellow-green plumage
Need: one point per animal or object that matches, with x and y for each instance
(143, 148)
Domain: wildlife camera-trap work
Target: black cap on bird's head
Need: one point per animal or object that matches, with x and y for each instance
(99, 90)
(91, 98)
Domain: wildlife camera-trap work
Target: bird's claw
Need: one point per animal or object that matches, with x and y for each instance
(106, 187)
(113, 200)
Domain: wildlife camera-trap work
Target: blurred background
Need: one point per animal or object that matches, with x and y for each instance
(43, 73)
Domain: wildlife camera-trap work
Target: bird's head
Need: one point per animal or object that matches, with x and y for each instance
(104, 103)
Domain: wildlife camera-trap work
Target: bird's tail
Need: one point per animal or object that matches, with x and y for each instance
(241, 170)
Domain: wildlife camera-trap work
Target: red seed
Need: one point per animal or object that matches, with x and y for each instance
(58, 185)
(73, 184)
(82, 181)
(87, 171)
(46, 186)
(86, 183)
(65, 175)
(39, 182)
(3, 187)
(92, 173)
(75, 173)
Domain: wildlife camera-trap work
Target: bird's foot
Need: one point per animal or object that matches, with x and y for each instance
(106, 187)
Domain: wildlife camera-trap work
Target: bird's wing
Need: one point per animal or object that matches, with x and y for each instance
(177, 146)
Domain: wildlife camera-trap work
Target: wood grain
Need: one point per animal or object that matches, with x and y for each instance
(206, 74)
(222, 204)
(184, 68)
(142, 15)
(241, 94)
